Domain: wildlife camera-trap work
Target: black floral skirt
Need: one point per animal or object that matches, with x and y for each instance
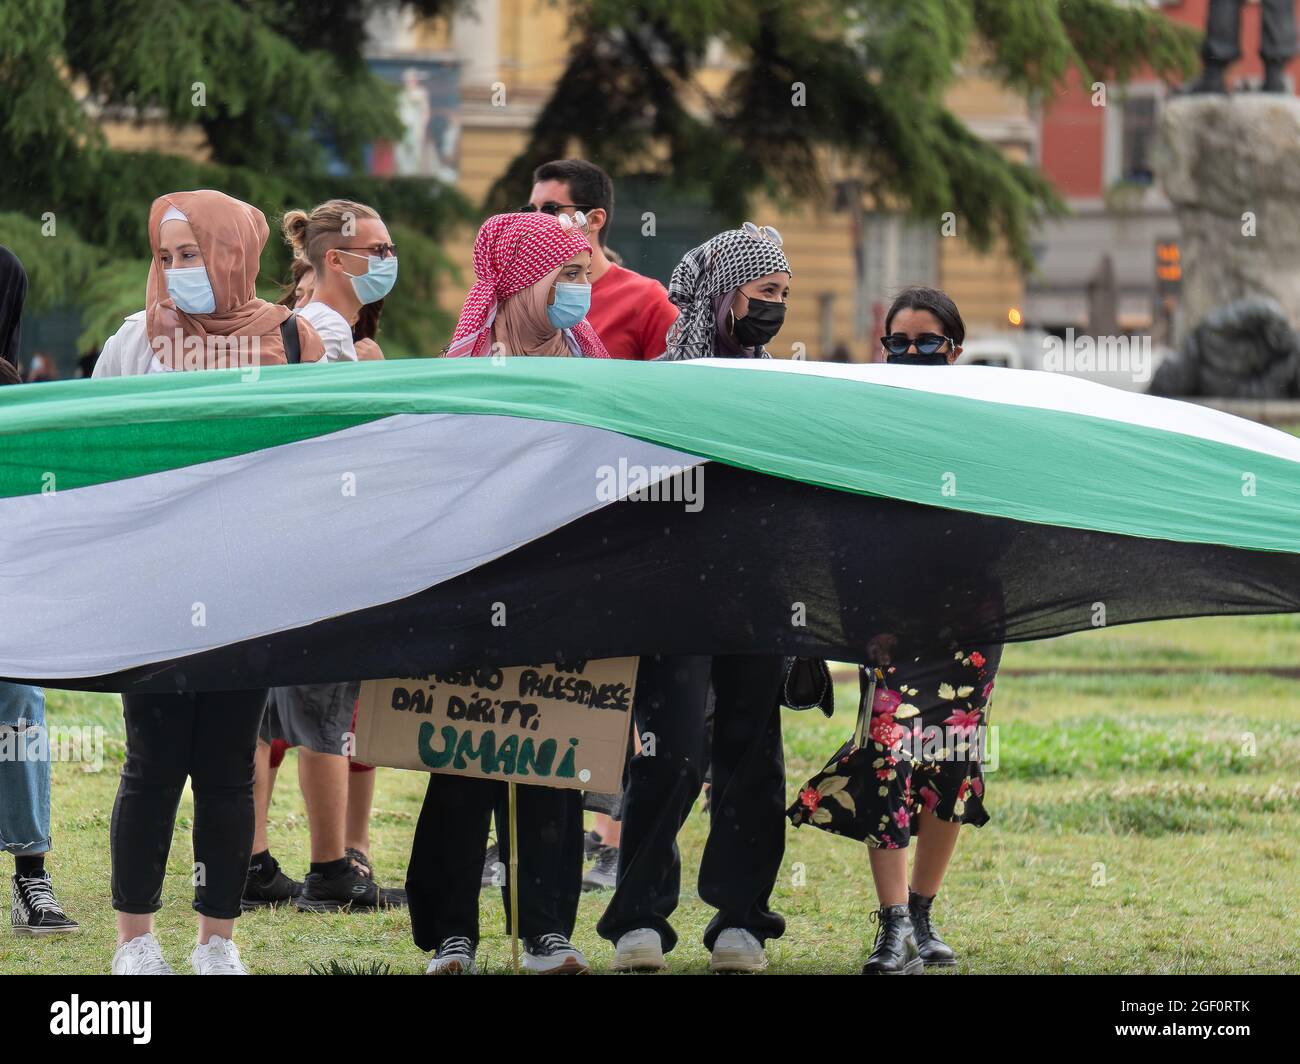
(922, 749)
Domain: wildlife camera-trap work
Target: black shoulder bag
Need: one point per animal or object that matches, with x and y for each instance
(808, 685)
(292, 340)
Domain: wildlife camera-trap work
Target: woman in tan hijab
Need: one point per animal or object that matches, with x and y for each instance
(201, 307)
(202, 312)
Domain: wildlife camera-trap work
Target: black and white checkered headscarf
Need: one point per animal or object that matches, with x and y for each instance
(715, 268)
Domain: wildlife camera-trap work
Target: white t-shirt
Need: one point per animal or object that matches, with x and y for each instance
(334, 330)
(127, 352)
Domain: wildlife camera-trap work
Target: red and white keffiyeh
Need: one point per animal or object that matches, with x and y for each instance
(511, 253)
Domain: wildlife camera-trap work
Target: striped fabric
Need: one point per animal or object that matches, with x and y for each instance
(198, 529)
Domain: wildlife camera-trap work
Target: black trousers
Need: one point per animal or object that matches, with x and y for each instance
(210, 738)
(747, 795)
(444, 876)
(1223, 31)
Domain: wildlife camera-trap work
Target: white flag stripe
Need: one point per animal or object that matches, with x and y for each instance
(269, 541)
(1044, 391)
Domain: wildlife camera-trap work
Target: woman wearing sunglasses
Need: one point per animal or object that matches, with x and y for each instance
(354, 263)
(915, 767)
(923, 328)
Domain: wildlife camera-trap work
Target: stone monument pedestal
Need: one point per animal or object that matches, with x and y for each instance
(1230, 165)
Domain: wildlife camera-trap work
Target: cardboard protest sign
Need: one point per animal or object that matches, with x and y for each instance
(548, 725)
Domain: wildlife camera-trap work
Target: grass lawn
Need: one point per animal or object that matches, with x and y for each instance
(1142, 822)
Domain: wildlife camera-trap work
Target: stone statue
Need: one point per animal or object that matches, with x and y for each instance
(1223, 43)
(1245, 350)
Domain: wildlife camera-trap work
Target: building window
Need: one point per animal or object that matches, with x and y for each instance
(1138, 140)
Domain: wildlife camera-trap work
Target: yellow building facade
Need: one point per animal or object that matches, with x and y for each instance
(511, 53)
(848, 259)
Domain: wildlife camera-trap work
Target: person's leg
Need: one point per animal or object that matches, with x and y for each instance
(889, 874)
(609, 829)
(361, 798)
(24, 781)
(1278, 42)
(1223, 32)
(263, 784)
(267, 884)
(896, 950)
(324, 782)
(663, 781)
(747, 798)
(935, 842)
(442, 878)
(550, 857)
(225, 747)
(25, 812)
(159, 743)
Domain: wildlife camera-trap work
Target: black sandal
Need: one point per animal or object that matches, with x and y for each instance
(361, 861)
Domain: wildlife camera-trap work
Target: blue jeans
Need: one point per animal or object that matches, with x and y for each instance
(24, 783)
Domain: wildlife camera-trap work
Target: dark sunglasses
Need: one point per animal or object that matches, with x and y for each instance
(926, 343)
(554, 208)
(382, 250)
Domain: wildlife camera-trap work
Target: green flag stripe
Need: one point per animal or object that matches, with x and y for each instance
(1017, 461)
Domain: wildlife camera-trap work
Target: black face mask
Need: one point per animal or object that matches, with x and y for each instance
(918, 360)
(763, 321)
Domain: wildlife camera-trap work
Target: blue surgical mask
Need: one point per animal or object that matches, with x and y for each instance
(572, 301)
(191, 290)
(377, 281)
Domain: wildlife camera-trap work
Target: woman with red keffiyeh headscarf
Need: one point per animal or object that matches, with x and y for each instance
(530, 297)
(531, 290)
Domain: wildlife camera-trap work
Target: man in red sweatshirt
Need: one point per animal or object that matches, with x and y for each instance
(629, 312)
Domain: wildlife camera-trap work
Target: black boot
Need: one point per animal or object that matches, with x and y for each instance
(935, 952)
(1211, 81)
(895, 952)
(1274, 78)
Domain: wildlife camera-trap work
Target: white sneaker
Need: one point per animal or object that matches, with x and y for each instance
(454, 957)
(641, 950)
(736, 950)
(141, 956)
(553, 954)
(218, 956)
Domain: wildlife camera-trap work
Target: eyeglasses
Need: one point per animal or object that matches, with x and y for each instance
(764, 233)
(554, 209)
(926, 343)
(576, 220)
(382, 250)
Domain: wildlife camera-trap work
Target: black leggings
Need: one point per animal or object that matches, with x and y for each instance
(209, 737)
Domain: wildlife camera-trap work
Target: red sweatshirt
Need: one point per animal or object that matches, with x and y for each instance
(630, 313)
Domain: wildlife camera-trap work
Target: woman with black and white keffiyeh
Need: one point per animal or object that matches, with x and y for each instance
(732, 291)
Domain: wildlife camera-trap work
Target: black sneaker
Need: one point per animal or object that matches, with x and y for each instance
(553, 954)
(454, 957)
(36, 911)
(266, 892)
(591, 844)
(494, 872)
(329, 894)
(392, 898)
(603, 875)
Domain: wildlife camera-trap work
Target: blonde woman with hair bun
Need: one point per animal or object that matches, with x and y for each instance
(355, 264)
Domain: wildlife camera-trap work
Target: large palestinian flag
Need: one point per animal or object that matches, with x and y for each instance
(203, 530)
